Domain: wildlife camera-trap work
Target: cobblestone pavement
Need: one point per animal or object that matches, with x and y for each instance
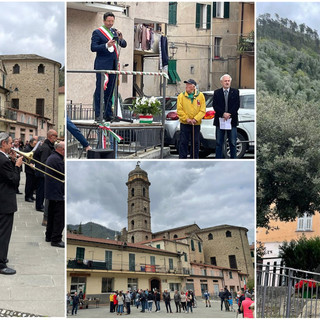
(200, 312)
(38, 286)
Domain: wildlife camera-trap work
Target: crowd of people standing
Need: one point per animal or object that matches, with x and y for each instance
(144, 300)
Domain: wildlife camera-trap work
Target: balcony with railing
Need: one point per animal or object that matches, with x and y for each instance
(118, 266)
(8, 113)
(246, 44)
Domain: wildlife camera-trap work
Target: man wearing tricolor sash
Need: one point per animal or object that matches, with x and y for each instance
(106, 42)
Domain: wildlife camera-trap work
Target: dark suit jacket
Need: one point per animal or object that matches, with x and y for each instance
(233, 105)
(42, 154)
(27, 168)
(105, 60)
(9, 181)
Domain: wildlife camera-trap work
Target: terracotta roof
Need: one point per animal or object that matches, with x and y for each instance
(61, 89)
(79, 237)
(178, 228)
(223, 226)
(25, 57)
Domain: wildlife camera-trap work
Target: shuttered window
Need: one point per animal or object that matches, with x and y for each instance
(203, 16)
(108, 260)
(221, 10)
(173, 13)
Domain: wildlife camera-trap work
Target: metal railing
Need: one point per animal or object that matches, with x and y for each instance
(8, 113)
(135, 138)
(287, 293)
(118, 266)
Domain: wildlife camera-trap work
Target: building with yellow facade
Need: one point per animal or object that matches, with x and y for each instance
(307, 225)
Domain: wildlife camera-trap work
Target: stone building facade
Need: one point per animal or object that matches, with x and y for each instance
(225, 245)
(34, 83)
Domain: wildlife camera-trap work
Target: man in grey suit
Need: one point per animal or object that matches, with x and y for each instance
(9, 180)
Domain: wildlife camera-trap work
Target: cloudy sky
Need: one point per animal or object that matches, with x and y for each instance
(182, 192)
(300, 12)
(33, 28)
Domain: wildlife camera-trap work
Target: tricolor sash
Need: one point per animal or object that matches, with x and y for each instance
(108, 34)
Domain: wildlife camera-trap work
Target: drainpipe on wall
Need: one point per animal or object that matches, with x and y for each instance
(241, 33)
(211, 57)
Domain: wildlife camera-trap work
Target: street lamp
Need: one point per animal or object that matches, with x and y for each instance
(173, 50)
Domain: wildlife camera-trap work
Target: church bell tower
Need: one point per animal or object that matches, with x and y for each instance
(139, 218)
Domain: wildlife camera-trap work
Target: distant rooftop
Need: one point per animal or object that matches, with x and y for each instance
(26, 57)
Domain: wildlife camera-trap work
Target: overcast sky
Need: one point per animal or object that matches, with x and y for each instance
(33, 28)
(300, 12)
(182, 192)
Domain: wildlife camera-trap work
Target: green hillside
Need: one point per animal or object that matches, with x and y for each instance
(288, 120)
(288, 60)
(93, 230)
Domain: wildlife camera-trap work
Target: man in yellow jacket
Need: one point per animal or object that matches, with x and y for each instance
(191, 108)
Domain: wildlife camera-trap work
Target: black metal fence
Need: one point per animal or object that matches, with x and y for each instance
(287, 293)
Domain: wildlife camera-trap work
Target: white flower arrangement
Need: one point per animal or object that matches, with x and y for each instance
(146, 106)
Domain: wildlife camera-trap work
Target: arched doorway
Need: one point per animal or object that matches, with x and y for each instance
(155, 284)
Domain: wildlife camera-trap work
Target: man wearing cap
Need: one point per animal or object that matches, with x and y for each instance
(191, 108)
(106, 42)
(226, 103)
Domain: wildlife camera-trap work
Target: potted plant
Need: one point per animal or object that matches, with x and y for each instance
(305, 287)
(146, 108)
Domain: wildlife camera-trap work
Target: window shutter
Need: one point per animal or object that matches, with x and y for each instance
(300, 223)
(226, 9)
(214, 9)
(208, 17)
(172, 12)
(198, 13)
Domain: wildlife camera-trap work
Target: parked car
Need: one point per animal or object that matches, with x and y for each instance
(128, 102)
(245, 138)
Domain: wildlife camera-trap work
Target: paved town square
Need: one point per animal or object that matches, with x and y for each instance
(38, 286)
(200, 312)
